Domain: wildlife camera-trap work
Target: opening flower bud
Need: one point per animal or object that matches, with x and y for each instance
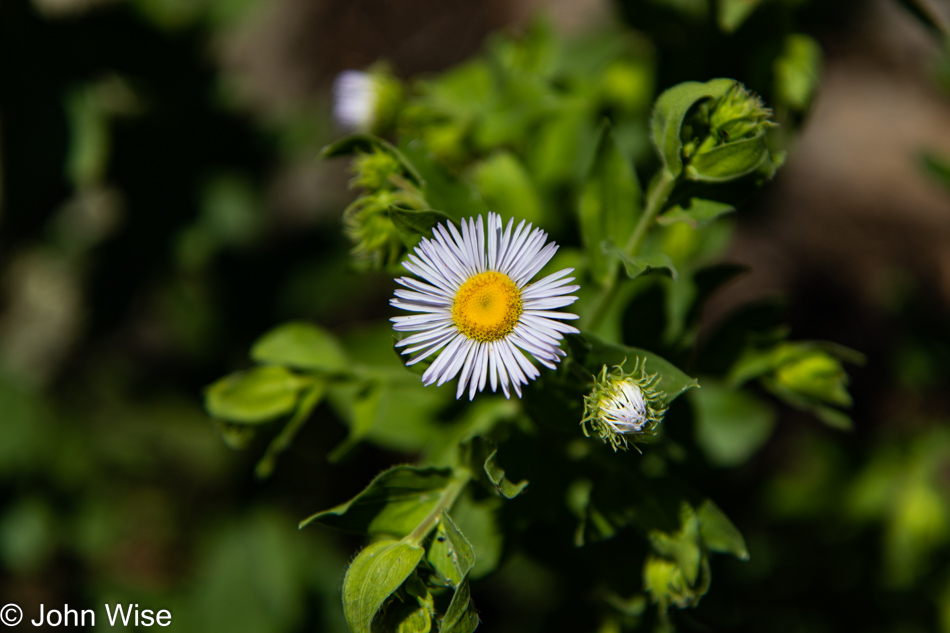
(624, 407)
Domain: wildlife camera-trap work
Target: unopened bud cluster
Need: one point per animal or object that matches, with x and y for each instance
(366, 221)
(737, 115)
(624, 407)
(725, 138)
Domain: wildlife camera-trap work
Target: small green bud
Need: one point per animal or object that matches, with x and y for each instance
(624, 405)
(375, 170)
(724, 138)
(366, 222)
(739, 114)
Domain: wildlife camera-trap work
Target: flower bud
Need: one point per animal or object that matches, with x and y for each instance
(366, 222)
(724, 138)
(739, 114)
(375, 170)
(366, 101)
(623, 406)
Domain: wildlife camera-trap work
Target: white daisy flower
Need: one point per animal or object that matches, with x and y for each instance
(355, 95)
(475, 304)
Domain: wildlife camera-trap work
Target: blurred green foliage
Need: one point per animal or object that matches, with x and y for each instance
(142, 258)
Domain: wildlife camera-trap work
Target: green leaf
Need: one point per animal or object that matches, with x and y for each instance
(732, 13)
(610, 204)
(461, 616)
(506, 187)
(832, 417)
(418, 621)
(478, 521)
(254, 396)
(450, 554)
(308, 402)
(302, 346)
(728, 162)
(730, 425)
(697, 213)
(367, 143)
(673, 381)
(497, 476)
(798, 71)
(669, 112)
(393, 504)
(378, 571)
(655, 263)
(414, 224)
(718, 532)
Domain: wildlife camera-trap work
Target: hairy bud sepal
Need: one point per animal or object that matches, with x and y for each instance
(624, 407)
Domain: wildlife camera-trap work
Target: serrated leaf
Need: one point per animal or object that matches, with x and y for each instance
(654, 263)
(728, 162)
(450, 554)
(609, 206)
(414, 224)
(496, 474)
(673, 381)
(731, 425)
(698, 212)
(367, 143)
(461, 616)
(719, 534)
(254, 396)
(302, 346)
(378, 571)
(393, 504)
(669, 112)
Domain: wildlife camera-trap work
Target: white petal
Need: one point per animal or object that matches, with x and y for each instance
(549, 302)
(467, 371)
(445, 358)
(425, 335)
(465, 350)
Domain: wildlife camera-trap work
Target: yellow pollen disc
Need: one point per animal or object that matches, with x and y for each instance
(487, 307)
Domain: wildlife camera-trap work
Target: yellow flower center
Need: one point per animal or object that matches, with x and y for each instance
(487, 307)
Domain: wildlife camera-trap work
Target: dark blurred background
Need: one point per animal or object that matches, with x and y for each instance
(162, 203)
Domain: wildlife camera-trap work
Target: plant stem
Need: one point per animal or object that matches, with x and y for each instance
(449, 496)
(656, 200)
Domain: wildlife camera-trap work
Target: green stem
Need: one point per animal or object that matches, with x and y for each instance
(451, 494)
(656, 200)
